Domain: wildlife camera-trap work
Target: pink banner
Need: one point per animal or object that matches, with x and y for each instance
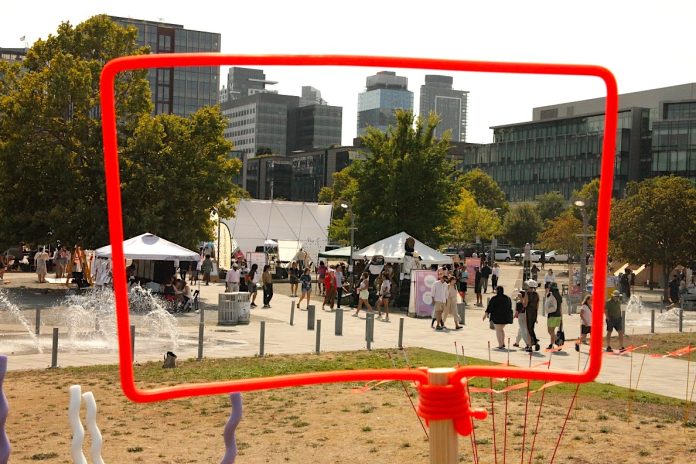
(471, 265)
(424, 291)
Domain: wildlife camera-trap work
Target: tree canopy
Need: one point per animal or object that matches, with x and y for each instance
(405, 182)
(522, 224)
(550, 205)
(485, 191)
(589, 193)
(470, 221)
(51, 152)
(563, 234)
(655, 223)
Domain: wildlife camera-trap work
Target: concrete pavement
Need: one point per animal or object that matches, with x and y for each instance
(663, 376)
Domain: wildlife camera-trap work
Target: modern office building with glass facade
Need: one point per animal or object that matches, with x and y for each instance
(560, 150)
(438, 96)
(317, 126)
(181, 90)
(384, 93)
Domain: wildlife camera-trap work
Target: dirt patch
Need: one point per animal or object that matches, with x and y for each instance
(327, 424)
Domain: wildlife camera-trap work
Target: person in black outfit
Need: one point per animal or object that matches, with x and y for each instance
(531, 304)
(183, 269)
(477, 287)
(674, 289)
(485, 274)
(500, 312)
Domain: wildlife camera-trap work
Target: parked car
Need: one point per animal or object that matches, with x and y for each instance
(535, 255)
(503, 255)
(556, 257)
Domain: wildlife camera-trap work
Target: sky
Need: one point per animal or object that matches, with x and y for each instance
(645, 44)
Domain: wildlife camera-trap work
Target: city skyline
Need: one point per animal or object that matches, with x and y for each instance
(500, 31)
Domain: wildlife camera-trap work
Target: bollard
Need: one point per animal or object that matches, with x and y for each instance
(338, 329)
(201, 331)
(623, 320)
(318, 339)
(310, 317)
(401, 333)
(262, 338)
(132, 334)
(681, 320)
(369, 329)
(461, 311)
(37, 329)
(652, 321)
(54, 350)
(292, 312)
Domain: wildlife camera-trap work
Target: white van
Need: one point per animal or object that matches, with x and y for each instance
(503, 255)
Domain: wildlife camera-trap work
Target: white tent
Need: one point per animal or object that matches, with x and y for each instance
(392, 248)
(152, 247)
(257, 221)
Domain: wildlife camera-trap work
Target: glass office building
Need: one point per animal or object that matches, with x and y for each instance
(179, 91)
(674, 140)
(317, 126)
(438, 96)
(385, 92)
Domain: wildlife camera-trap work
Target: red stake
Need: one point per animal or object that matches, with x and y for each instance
(505, 416)
(536, 427)
(495, 448)
(570, 409)
(526, 406)
(474, 445)
(403, 384)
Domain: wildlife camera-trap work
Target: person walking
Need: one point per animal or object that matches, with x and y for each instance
(439, 295)
(499, 310)
(477, 286)
(321, 275)
(267, 282)
(252, 280)
(339, 284)
(451, 307)
(231, 279)
(535, 272)
(521, 316)
(329, 288)
(463, 278)
(531, 312)
(384, 296)
(183, 269)
(549, 278)
(294, 277)
(40, 260)
(674, 290)
(306, 287)
(495, 276)
(542, 259)
(195, 270)
(612, 310)
(552, 305)
(585, 321)
(363, 293)
(485, 274)
(206, 269)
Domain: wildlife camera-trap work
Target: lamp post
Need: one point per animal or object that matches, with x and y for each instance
(583, 259)
(347, 206)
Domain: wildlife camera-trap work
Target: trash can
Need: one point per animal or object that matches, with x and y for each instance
(233, 308)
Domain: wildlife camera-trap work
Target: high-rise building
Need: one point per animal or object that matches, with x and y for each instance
(437, 95)
(12, 55)
(311, 96)
(384, 93)
(179, 90)
(316, 127)
(242, 82)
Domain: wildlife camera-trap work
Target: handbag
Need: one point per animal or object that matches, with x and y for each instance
(560, 335)
(491, 324)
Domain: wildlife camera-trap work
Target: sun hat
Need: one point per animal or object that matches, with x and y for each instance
(532, 283)
(616, 293)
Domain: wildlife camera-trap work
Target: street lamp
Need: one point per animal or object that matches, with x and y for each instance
(347, 206)
(583, 259)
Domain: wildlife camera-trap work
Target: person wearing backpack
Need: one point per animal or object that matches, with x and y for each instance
(553, 314)
(462, 278)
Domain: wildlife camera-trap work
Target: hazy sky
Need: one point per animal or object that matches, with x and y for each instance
(645, 44)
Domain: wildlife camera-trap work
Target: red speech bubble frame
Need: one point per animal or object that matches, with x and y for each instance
(113, 193)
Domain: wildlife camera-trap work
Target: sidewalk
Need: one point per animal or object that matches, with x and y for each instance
(663, 376)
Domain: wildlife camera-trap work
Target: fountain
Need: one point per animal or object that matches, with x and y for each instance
(16, 314)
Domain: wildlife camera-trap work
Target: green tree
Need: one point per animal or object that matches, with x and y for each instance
(341, 192)
(550, 205)
(405, 183)
(485, 190)
(563, 234)
(470, 221)
(522, 224)
(51, 152)
(655, 225)
(589, 193)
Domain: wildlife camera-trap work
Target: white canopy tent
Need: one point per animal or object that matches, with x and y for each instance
(151, 247)
(392, 248)
(257, 221)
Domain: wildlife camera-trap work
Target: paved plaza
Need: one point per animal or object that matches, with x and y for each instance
(660, 375)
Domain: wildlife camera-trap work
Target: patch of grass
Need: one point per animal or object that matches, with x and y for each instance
(602, 417)
(367, 428)
(299, 424)
(604, 430)
(135, 449)
(661, 343)
(43, 456)
(644, 453)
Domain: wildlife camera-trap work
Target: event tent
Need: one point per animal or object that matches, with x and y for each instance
(338, 253)
(152, 247)
(392, 248)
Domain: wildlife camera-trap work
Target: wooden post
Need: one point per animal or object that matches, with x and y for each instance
(201, 331)
(37, 329)
(54, 350)
(310, 317)
(318, 337)
(369, 318)
(132, 334)
(401, 333)
(292, 312)
(681, 320)
(443, 436)
(461, 312)
(652, 321)
(262, 338)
